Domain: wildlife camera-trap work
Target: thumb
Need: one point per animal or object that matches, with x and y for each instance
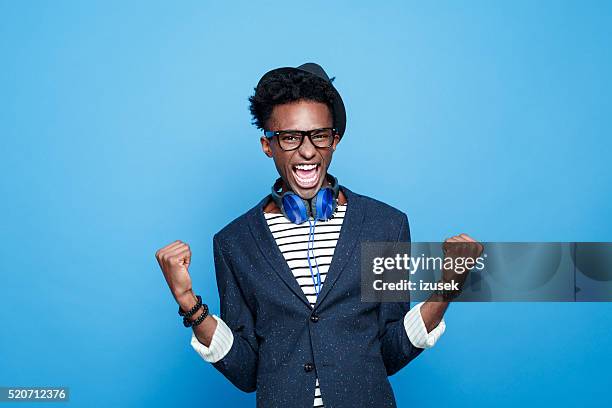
(183, 258)
(186, 260)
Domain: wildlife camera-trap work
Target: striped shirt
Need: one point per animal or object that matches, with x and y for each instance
(292, 240)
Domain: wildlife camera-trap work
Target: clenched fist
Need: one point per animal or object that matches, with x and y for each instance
(463, 251)
(462, 245)
(174, 260)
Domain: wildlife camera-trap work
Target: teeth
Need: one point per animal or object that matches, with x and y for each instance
(306, 180)
(306, 166)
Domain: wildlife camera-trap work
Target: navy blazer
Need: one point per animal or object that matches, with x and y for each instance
(279, 348)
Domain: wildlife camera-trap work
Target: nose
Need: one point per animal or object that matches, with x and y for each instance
(307, 150)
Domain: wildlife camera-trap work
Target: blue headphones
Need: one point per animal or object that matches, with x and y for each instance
(298, 210)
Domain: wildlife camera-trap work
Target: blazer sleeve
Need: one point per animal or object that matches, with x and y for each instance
(396, 348)
(239, 365)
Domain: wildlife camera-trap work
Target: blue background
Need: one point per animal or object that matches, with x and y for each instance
(124, 126)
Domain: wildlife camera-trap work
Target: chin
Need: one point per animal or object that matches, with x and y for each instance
(306, 194)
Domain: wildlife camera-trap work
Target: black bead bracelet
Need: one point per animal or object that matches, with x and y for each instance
(193, 309)
(200, 319)
(187, 315)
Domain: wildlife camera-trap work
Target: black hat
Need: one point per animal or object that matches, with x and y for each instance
(315, 69)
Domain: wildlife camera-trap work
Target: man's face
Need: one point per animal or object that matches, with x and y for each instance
(304, 169)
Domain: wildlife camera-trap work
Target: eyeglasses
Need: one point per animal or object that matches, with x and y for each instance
(293, 139)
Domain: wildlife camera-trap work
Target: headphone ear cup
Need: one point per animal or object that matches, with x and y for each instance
(324, 204)
(294, 208)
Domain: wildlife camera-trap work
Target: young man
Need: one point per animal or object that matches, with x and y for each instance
(292, 325)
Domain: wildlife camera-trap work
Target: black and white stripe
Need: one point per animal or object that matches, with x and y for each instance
(292, 240)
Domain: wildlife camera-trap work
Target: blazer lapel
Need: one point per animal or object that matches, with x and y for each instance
(349, 237)
(268, 247)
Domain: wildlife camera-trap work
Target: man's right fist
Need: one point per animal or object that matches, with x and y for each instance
(174, 260)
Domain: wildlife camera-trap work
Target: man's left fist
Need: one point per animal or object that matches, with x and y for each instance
(463, 251)
(462, 246)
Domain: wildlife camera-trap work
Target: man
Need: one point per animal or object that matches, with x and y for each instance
(292, 325)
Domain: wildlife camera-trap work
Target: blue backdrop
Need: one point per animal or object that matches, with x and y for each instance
(124, 126)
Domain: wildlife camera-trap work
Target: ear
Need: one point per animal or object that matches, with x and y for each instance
(336, 141)
(265, 146)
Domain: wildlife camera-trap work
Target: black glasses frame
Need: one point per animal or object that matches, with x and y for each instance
(304, 133)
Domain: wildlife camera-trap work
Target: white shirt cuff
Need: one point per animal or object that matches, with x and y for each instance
(220, 345)
(417, 332)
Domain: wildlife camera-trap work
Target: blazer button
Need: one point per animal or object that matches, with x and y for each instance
(308, 367)
(314, 318)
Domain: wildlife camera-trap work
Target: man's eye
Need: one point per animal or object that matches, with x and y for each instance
(290, 138)
(319, 136)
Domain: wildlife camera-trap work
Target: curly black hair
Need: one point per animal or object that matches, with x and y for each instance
(285, 87)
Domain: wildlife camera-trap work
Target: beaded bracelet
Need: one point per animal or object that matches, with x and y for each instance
(200, 319)
(193, 309)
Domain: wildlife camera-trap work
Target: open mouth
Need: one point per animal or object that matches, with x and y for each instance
(306, 174)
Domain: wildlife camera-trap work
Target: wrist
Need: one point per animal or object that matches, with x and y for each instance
(438, 298)
(186, 300)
